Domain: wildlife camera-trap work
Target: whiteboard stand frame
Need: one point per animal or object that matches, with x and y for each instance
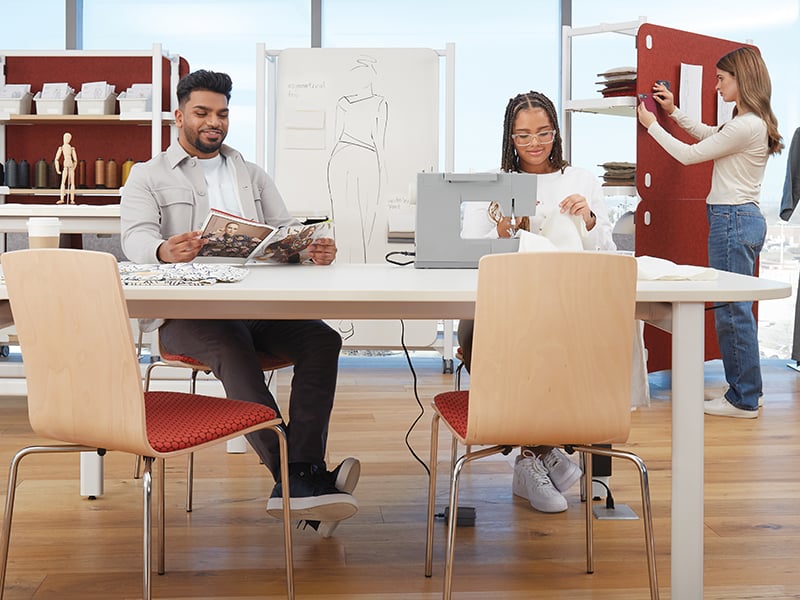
(266, 121)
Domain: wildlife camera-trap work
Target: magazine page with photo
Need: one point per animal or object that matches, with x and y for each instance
(232, 239)
(290, 244)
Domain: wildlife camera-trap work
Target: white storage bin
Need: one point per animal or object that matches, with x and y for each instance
(97, 106)
(17, 106)
(64, 106)
(134, 105)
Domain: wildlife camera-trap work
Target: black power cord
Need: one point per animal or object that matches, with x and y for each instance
(388, 258)
(465, 516)
(609, 497)
(416, 397)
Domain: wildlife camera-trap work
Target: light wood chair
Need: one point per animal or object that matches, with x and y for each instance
(551, 365)
(269, 364)
(85, 386)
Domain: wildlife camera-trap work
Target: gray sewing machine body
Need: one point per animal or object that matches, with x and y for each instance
(439, 244)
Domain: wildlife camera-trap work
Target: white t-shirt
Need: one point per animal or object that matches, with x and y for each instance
(551, 189)
(219, 179)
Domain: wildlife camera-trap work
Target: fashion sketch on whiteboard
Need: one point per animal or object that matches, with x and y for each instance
(355, 166)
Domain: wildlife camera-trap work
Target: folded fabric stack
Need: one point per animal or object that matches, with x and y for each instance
(619, 173)
(619, 81)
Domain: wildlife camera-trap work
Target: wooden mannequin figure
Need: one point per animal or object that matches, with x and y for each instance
(68, 172)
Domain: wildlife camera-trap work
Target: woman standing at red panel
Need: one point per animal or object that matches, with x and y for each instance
(737, 229)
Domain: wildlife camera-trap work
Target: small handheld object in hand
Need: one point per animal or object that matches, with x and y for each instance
(513, 221)
(649, 102)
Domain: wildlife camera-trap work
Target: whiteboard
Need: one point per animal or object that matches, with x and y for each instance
(353, 129)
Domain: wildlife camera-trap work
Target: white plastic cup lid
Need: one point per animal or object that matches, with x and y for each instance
(44, 226)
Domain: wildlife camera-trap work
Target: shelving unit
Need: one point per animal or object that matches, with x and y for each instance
(138, 136)
(618, 106)
(6, 191)
(621, 106)
(624, 106)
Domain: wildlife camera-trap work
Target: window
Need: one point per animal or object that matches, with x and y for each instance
(220, 36)
(499, 52)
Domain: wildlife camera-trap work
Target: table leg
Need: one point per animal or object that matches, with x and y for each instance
(688, 351)
(91, 475)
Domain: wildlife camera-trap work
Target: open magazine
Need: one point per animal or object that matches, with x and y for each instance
(232, 239)
(236, 240)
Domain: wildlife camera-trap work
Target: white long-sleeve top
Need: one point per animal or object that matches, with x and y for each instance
(551, 189)
(738, 148)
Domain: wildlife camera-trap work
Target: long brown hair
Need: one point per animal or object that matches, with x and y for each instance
(510, 160)
(755, 89)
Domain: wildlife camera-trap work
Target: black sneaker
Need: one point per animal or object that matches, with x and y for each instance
(313, 496)
(345, 477)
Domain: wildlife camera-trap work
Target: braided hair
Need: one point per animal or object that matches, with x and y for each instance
(510, 160)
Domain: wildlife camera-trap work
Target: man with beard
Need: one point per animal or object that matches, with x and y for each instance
(163, 205)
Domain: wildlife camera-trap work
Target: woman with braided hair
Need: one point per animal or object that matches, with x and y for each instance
(532, 144)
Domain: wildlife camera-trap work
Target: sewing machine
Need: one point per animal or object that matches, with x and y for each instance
(439, 243)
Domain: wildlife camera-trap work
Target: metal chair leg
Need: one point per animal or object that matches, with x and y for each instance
(161, 515)
(11, 493)
(189, 481)
(647, 519)
(287, 515)
(587, 475)
(147, 488)
(431, 495)
(452, 517)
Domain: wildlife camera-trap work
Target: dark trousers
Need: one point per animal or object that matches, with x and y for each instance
(230, 348)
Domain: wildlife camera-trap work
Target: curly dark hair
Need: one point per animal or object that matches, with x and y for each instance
(204, 80)
(510, 160)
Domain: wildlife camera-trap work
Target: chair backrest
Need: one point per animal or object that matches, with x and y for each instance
(552, 349)
(83, 377)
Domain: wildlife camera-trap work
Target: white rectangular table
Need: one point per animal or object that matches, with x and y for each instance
(392, 292)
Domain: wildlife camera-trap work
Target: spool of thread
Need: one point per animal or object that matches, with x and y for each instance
(126, 170)
(24, 174)
(80, 175)
(12, 179)
(53, 178)
(40, 174)
(99, 173)
(112, 174)
(2, 174)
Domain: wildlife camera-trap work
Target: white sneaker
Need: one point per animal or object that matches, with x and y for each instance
(562, 471)
(713, 394)
(720, 407)
(532, 482)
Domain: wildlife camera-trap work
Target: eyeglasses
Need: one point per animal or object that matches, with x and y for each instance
(526, 139)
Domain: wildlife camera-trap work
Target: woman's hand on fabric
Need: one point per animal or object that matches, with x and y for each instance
(575, 204)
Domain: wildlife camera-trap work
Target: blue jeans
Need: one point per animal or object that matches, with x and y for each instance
(736, 235)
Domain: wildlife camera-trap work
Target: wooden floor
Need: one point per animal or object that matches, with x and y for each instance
(65, 547)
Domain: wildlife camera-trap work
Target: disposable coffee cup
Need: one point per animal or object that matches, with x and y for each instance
(43, 232)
